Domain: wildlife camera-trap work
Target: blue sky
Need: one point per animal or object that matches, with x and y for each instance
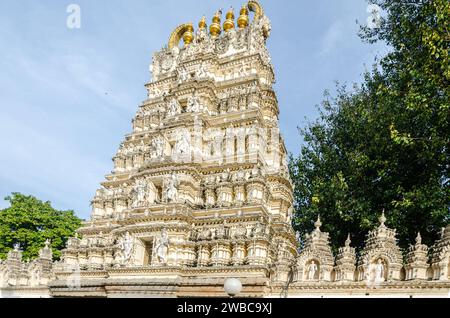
(67, 96)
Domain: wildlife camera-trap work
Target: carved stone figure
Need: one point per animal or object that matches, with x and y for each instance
(183, 144)
(162, 247)
(171, 188)
(139, 192)
(202, 72)
(157, 147)
(312, 270)
(173, 108)
(193, 104)
(128, 244)
(183, 75)
(379, 271)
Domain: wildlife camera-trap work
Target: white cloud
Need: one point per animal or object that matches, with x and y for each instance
(333, 36)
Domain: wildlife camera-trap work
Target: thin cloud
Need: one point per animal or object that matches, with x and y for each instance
(333, 36)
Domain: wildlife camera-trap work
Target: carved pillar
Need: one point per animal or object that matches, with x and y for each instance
(82, 258)
(224, 196)
(97, 208)
(220, 253)
(257, 252)
(239, 192)
(255, 192)
(189, 255)
(95, 257)
(203, 254)
(120, 205)
(238, 257)
(109, 207)
(210, 197)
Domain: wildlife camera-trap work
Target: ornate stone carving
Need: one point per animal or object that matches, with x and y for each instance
(194, 104)
(126, 247)
(316, 254)
(162, 247)
(417, 261)
(182, 148)
(173, 108)
(345, 262)
(171, 189)
(381, 255)
(231, 78)
(157, 148)
(440, 258)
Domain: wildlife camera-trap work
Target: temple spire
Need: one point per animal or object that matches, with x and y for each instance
(318, 223)
(382, 219)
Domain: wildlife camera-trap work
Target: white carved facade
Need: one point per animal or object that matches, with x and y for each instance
(200, 191)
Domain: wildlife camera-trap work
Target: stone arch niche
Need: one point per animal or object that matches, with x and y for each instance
(378, 269)
(380, 254)
(317, 250)
(311, 270)
(440, 259)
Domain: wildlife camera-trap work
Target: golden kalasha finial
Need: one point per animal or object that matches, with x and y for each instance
(229, 22)
(188, 35)
(215, 29)
(202, 24)
(243, 18)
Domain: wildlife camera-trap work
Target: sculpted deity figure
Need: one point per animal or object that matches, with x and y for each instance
(152, 193)
(183, 145)
(126, 244)
(379, 271)
(154, 92)
(312, 270)
(162, 247)
(232, 38)
(201, 35)
(193, 104)
(157, 147)
(171, 188)
(259, 229)
(183, 75)
(202, 71)
(173, 108)
(139, 192)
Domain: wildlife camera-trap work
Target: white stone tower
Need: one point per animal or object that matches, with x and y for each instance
(200, 189)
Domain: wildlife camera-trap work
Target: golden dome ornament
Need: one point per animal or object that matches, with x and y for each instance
(229, 22)
(188, 35)
(215, 28)
(202, 24)
(243, 18)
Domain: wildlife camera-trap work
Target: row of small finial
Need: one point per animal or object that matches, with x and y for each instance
(215, 29)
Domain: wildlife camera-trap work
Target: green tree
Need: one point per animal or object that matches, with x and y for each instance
(30, 222)
(385, 143)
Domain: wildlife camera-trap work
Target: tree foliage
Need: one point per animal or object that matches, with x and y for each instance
(385, 143)
(30, 222)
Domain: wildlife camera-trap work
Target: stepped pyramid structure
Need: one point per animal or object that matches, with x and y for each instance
(200, 189)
